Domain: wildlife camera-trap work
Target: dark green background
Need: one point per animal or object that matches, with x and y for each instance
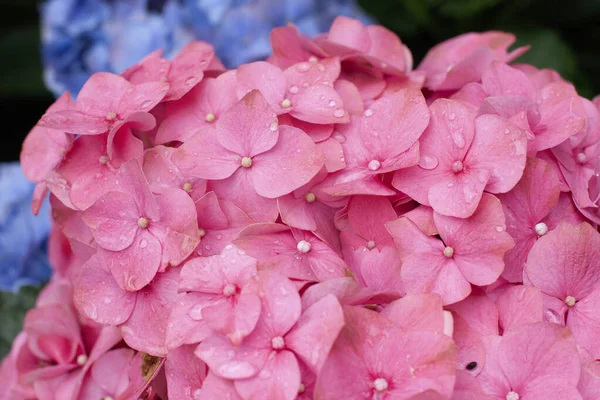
(564, 35)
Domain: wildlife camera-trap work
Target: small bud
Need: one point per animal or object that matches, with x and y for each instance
(81, 359)
(380, 384)
(303, 246)
(210, 117)
(286, 103)
(188, 187)
(277, 343)
(246, 162)
(310, 197)
(570, 301)
(448, 251)
(143, 222)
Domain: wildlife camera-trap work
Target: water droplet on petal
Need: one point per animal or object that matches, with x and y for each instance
(195, 312)
(143, 243)
(293, 89)
(368, 112)
(428, 162)
(452, 116)
(332, 103)
(339, 113)
(146, 104)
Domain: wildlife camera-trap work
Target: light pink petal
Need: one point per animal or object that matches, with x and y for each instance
(564, 261)
(182, 126)
(293, 162)
(149, 69)
(185, 373)
(584, 322)
(278, 379)
(350, 96)
(502, 79)
(135, 266)
(187, 69)
(98, 296)
(145, 330)
(144, 97)
(202, 156)
(248, 128)
(348, 292)
(479, 242)
(102, 94)
(394, 124)
(319, 104)
(267, 78)
(519, 305)
(469, 347)
(465, 189)
(210, 214)
(416, 312)
(235, 318)
(177, 229)
(367, 215)
(480, 312)
(186, 325)
(350, 33)
(551, 356)
(133, 181)
(387, 51)
(500, 147)
(422, 216)
(215, 387)
(110, 370)
(111, 230)
(316, 330)
(74, 122)
(42, 151)
(239, 190)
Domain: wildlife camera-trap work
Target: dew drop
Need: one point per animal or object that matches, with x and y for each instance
(293, 89)
(190, 81)
(452, 116)
(146, 104)
(499, 228)
(428, 162)
(195, 312)
(339, 113)
(143, 243)
(332, 103)
(368, 112)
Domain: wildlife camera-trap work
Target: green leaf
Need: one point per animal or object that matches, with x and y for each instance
(12, 311)
(462, 9)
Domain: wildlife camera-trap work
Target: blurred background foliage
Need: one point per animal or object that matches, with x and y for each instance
(564, 35)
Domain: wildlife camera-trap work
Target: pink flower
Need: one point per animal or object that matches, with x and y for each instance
(373, 358)
(382, 140)
(532, 209)
(454, 63)
(138, 233)
(216, 298)
(461, 157)
(293, 253)
(254, 159)
(470, 251)
(536, 361)
(564, 266)
(368, 247)
(142, 316)
(304, 90)
(199, 110)
(266, 361)
(182, 74)
(105, 103)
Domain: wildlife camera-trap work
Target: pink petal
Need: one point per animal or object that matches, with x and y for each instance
(74, 122)
(98, 296)
(367, 215)
(215, 387)
(519, 305)
(500, 147)
(479, 242)
(185, 373)
(235, 318)
(348, 292)
(110, 370)
(187, 69)
(186, 324)
(102, 94)
(144, 97)
(563, 262)
(416, 312)
(145, 330)
(583, 320)
(135, 266)
(239, 190)
(293, 161)
(263, 77)
(42, 151)
(202, 156)
(279, 379)
(502, 79)
(113, 231)
(319, 104)
(469, 346)
(350, 33)
(316, 330)
(386, 47)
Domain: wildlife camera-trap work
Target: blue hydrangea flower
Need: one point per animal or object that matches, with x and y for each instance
(23, 236)
(81, 37)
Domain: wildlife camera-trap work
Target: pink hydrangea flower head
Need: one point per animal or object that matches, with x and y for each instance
(373, 358)
(564, 266)
(462, 157)
(463, 59)
(470, 251)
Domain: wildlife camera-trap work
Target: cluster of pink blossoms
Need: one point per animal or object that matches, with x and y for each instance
(329, 224)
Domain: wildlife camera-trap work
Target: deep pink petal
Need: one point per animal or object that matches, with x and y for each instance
(185, 373)
(186, 325)
(417, 312)
(519, 305)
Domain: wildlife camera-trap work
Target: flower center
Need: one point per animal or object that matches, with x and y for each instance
(448, 251)
(303, 246)
(457, 166)
(103, 160)
(81, 359)
(310, 197)
(371, 244)
(187, 187)
(201, 232)
(541, 229)
(581, 158)
(301, 388)
(111, 116)
(512, 395)
(277, 343)
(143, 222)
(210, 117)
(313, 59)
(570, 301)
(380, 384)
(374, 165)
(286, 103)
(246, 162)
(229, 290)
(108, 398)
